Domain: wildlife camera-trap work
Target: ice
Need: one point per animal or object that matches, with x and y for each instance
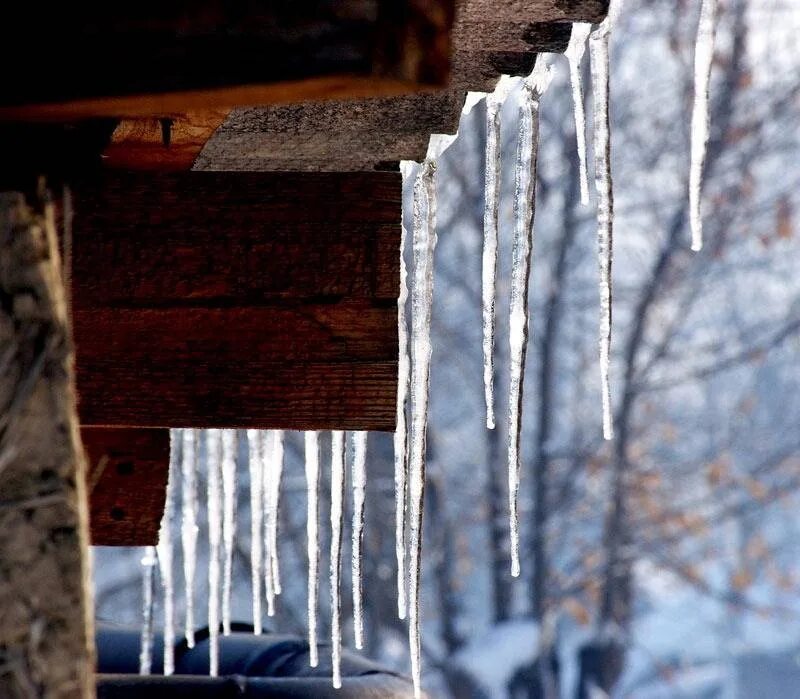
(703, 55)
(229, 488)
(146, 650)
(164, 552)
(189, 527)
(337, 522)
(273, 469)
(256, 461)
(492, 170)
(524, 204)
(312, 536)
(605, 206)
(214, 502)
(359, 478)
(574, 54)
(424, 238)
(401, 433)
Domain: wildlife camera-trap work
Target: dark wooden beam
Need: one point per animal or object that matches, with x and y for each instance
(237, 299)
(127, 478)
(160, 56)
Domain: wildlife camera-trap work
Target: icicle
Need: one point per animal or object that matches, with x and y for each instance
(256, 461)
(312, 536)
(273, 467)
(337, 521)
(494, 104)
(189, 525)
(574, 54)
(146, 650)
(424, 243)
(703, 55)
(524, 205)
(164, 552)
(214, 502)
(605, 202)
(400, 433)
(229, 488)
(359, 487)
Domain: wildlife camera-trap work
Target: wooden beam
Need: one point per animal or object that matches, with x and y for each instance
(237, 299)
(127, 481)
(161, 56)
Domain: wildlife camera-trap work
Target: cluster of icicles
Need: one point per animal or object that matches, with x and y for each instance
(266, 448)
(266, 466)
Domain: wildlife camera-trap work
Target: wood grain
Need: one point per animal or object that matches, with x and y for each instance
(128, 471)
(237, 299)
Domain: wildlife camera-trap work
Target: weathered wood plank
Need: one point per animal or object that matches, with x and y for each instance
(237, 299)
(162, 56)
(128, 471)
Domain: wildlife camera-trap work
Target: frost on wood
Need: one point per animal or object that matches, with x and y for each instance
(337, 521)
(312, 536)
(146, 647)
(524, 199)
(424, 238)
(605, 205)
(214, 502)
(703, 55)
(256, 463)
(164, 550)
(189, 525)
(401, 432)
(574, 54)
(359, 478)
(229, 488)
(492, 171)
(46, 634)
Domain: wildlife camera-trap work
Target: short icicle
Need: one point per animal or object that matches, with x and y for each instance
(424, 243)
(524, 206)
(256, 463)
(337, 522)
(229, 488)
(164, 551)
(599, 50)
(189, 528)
(359, 479)
(214, 504)
(574, 54)
(269, 476)
(312, 537)
(703, 57)
(146, 648)
(401, 432)
(276, 473)
(492, 180)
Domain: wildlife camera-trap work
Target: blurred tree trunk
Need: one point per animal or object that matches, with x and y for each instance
(46, 628)
(498, 529)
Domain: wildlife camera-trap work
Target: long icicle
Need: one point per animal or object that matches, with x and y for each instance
(269, 477)
(337, 522)
(424, 238)
(312, 537)
(214, 505)
(189, 527)
(400, 432)
(277, 474)
(229, 488)
(574, 54)
(491, 209)
(599, 50)
(524, 206)
(256, 464)
(146, 648)
(164, 551)
(703, 57)
(359, 478)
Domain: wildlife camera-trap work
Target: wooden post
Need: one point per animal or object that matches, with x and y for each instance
(46, 627)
